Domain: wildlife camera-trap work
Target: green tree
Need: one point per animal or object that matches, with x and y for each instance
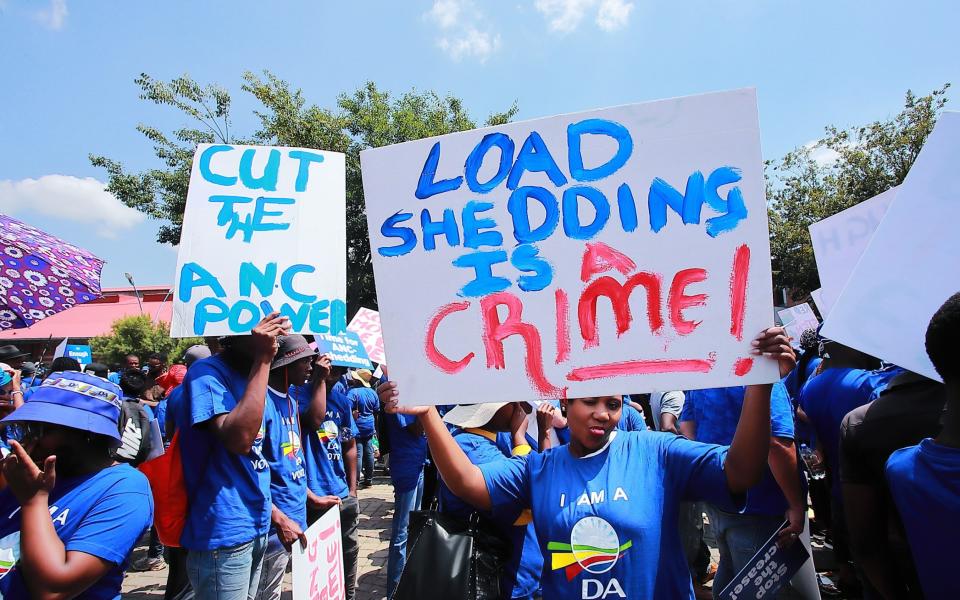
(139, 335)
(869, 160)
(366, 118)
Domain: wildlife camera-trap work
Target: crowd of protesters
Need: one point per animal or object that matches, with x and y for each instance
(273, 436)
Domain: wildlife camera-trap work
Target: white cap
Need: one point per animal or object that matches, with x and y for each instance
(473, 415)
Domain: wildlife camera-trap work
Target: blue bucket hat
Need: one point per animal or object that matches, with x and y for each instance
(73, 399)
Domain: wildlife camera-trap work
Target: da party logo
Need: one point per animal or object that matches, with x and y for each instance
(594, 547)
(327, 432)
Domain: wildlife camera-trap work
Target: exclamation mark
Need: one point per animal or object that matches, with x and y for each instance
(563, 326)
(738, 302)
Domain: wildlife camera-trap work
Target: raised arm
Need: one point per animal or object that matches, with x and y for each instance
(747, 457)
(316, 411)
(463, 477)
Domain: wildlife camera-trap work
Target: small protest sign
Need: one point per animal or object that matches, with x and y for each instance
(264, 229)
(839, 242)
(79, 352)
(344, 349)
(611, 251)
(909, 268)
(798, 319)
(318, 568)
(366, 324)
(768, 571)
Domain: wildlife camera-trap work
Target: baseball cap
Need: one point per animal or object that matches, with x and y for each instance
(74, 399)
(473, 415)
(195, 353)
(292, 348)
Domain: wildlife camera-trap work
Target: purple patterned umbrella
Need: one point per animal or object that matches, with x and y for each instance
(40, 275)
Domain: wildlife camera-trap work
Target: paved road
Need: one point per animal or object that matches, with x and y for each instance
(376, 511)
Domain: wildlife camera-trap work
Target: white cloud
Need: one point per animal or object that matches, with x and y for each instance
(55, 16)
(465, 33)
(821, 155)
(83, 200)
(566, 15)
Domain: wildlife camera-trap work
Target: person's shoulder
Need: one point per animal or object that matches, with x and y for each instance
(123, 478)
(901, 461)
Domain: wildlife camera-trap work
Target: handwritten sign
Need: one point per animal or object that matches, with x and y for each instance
(839, 242)
(344, 350)
(769, 570)
(264, 229)
(318, 568)
(617, 250)
(910, 266)
(798, 319)
(366, 324)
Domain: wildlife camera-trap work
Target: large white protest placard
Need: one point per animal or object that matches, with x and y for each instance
(839, 241)
(910, 266)
(611, 251)
(318, 568)
(264, 229)
(366, 324)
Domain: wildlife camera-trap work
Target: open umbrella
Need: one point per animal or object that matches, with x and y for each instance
(40, 275)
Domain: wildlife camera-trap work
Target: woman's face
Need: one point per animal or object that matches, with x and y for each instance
(41, 440)
(6, 399)
(592, 419)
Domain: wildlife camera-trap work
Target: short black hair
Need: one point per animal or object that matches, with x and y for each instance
(64, 363)
(157, 356)
(133, 382)
(942, 335)
(98, 369)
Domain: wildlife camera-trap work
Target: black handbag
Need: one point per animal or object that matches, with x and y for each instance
(448, 557)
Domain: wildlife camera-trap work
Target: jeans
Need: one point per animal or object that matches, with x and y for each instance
(691, 537)
(349, 540)
(227, 573)
(365, 459)
(740, 536)
(275, 561)
(403, 504)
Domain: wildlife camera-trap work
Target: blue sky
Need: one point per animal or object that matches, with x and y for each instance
(69, 66)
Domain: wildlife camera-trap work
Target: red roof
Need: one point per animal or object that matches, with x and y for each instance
(95, 318)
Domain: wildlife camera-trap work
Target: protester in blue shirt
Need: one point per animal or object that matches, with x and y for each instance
(408, 453)
(221, 427)
(611, 490)
(711, 416)
(631, 419)
(480, 429)
(365, 406)
(331, 459)
(131, 361)
(69, 517)
(925, 479)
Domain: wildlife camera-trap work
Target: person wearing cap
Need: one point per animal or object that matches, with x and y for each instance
(605, 506)
(220, 420)
(479, 433)
(284, 453)
(365, 405)
(69, 516)
(12, 356)
(11, 398)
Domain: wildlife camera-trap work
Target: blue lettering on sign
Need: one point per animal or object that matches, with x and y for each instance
(205, 157)
(571, 212)
(475, 160)
(267, 181)
(431, 229)
(427, 186)
(535, 157)
(525, 259)
(484, 281)
(252, 221)
(303, 171)
(616, 131)
(389, 229)
(472, 236)
(519, 210)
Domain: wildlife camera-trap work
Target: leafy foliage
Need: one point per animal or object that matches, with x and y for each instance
(139, 335)
(868, 161)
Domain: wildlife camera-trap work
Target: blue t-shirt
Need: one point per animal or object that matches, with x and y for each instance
(284, 454)
(229, 493)
(160, 411)
(102, 514)
(631, 419)
(607, 522)
(716, 412)
(408, 452)
(925, 485)
(367, 404)
(323, 448)
(521, 575)
(827, 398)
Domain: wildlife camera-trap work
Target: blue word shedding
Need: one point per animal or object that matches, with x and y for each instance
(476, 231)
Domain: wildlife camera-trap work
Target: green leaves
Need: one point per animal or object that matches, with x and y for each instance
(141, 336)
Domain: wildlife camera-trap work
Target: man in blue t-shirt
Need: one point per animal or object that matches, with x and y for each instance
(221, 423)
(365, 405)
(925, 479)
(330, 451)
(711, 416)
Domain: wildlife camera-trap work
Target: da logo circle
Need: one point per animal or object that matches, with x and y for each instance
(595, 545)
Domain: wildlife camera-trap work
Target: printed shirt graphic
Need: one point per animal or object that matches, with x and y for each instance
(284, 454)
(218, 481)
(102, 514)
(600, 519)
(323, 448)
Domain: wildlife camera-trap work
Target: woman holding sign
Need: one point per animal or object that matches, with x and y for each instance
(599, 504)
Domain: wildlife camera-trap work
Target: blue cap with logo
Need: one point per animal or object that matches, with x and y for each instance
(73, 399)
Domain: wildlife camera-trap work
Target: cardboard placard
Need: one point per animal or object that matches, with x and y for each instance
(798, 319)
(909, 268)
(318, 568)
(344, 349)
(264, 229)
(768, 571)
(366, 324)
(613, 251)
